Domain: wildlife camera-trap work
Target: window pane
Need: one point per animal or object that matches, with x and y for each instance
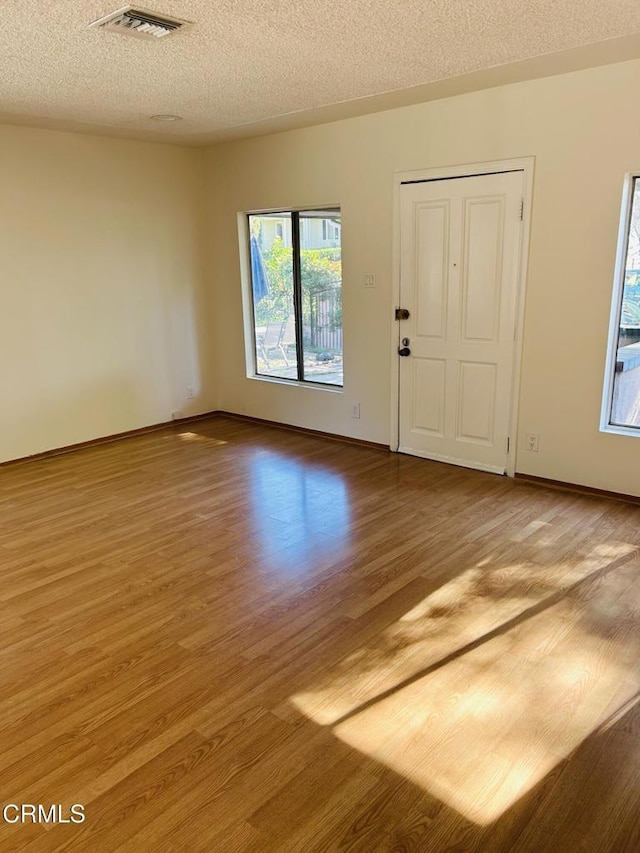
(272, 287)
(321, 286)
(625, 409)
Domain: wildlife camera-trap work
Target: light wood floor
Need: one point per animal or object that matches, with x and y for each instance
(226, 637)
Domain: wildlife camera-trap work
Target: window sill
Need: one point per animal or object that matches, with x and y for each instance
(295, 383)
(616, 429)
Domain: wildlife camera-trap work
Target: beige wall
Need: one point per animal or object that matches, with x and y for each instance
(584, 132)
(103, 319)
(108, 312)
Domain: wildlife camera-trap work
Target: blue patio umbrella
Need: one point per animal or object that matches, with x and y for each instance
(259, 278)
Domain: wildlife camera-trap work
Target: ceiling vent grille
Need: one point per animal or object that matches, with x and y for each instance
(139, 22)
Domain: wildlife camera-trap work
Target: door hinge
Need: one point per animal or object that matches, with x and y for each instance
(402, 314)
(522, 210)
(508, 443)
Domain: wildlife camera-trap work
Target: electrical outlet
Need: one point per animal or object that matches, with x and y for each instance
(355, 410)
(533, 440)
(191, 392)
(369, 279)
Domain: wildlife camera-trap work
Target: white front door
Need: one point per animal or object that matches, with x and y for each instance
(459, 271)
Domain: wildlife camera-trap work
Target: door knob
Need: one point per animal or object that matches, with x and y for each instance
(404, 351)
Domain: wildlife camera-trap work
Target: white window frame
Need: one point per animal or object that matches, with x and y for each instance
(616, 311)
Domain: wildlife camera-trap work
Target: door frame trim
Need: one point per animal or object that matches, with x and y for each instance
(525, 165)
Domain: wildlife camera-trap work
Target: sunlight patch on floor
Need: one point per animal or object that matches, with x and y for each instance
(481, 732)
(481, 689)
(194, 436)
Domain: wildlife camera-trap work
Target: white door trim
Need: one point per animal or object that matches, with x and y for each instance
(520, 164)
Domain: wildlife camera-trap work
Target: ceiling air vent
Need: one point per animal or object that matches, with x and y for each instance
(140, 22)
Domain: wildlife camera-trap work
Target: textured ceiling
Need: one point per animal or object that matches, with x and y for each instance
(247, 66)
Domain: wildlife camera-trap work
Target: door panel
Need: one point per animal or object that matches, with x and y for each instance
(460, 250)
(431, 270)
(476, 402)
(429, 381)
(482, 269)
